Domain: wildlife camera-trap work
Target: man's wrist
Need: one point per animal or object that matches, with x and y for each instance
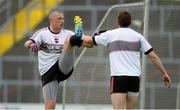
(31, 42)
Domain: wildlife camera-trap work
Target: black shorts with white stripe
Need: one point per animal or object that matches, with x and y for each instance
(124, 84)
(54, 73)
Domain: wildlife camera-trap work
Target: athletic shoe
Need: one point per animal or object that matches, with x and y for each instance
(78, 26)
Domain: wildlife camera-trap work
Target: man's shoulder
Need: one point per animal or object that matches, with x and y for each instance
(41, 30)
(67, 31)
(113, 30)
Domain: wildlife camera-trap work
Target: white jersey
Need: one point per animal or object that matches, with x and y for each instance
(124, 46)
(51, 47)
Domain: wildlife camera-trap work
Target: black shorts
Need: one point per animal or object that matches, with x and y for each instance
(124, 84)
(54, 73)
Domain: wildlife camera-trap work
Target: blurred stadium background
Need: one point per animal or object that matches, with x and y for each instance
(88, 87)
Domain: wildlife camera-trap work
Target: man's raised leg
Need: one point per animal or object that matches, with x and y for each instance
(66, 63)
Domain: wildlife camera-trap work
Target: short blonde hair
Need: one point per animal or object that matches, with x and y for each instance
(51, 13)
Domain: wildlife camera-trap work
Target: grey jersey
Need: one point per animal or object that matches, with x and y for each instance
(51, 47)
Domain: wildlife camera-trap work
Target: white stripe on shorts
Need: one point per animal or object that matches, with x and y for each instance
(133, 93)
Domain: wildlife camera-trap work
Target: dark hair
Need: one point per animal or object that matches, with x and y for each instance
(124, 19)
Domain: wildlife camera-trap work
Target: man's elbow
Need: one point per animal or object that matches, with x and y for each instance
(27, 43)
(152, 55)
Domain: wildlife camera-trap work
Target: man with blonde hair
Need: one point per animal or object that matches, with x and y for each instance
(55, 56)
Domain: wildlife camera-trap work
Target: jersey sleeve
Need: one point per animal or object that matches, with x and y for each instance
(70, 33)
(146, 48)
(102, 39)
(37, 38)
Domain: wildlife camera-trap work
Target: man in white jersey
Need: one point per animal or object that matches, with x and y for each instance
(124, 46)
(55, 55)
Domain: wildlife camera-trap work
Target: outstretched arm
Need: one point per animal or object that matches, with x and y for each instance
(155, 59)
(85, 40)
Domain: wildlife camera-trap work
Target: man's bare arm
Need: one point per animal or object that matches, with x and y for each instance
(155, 59)
(87, 41)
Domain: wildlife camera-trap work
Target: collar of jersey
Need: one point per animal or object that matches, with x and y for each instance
(53, 32)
